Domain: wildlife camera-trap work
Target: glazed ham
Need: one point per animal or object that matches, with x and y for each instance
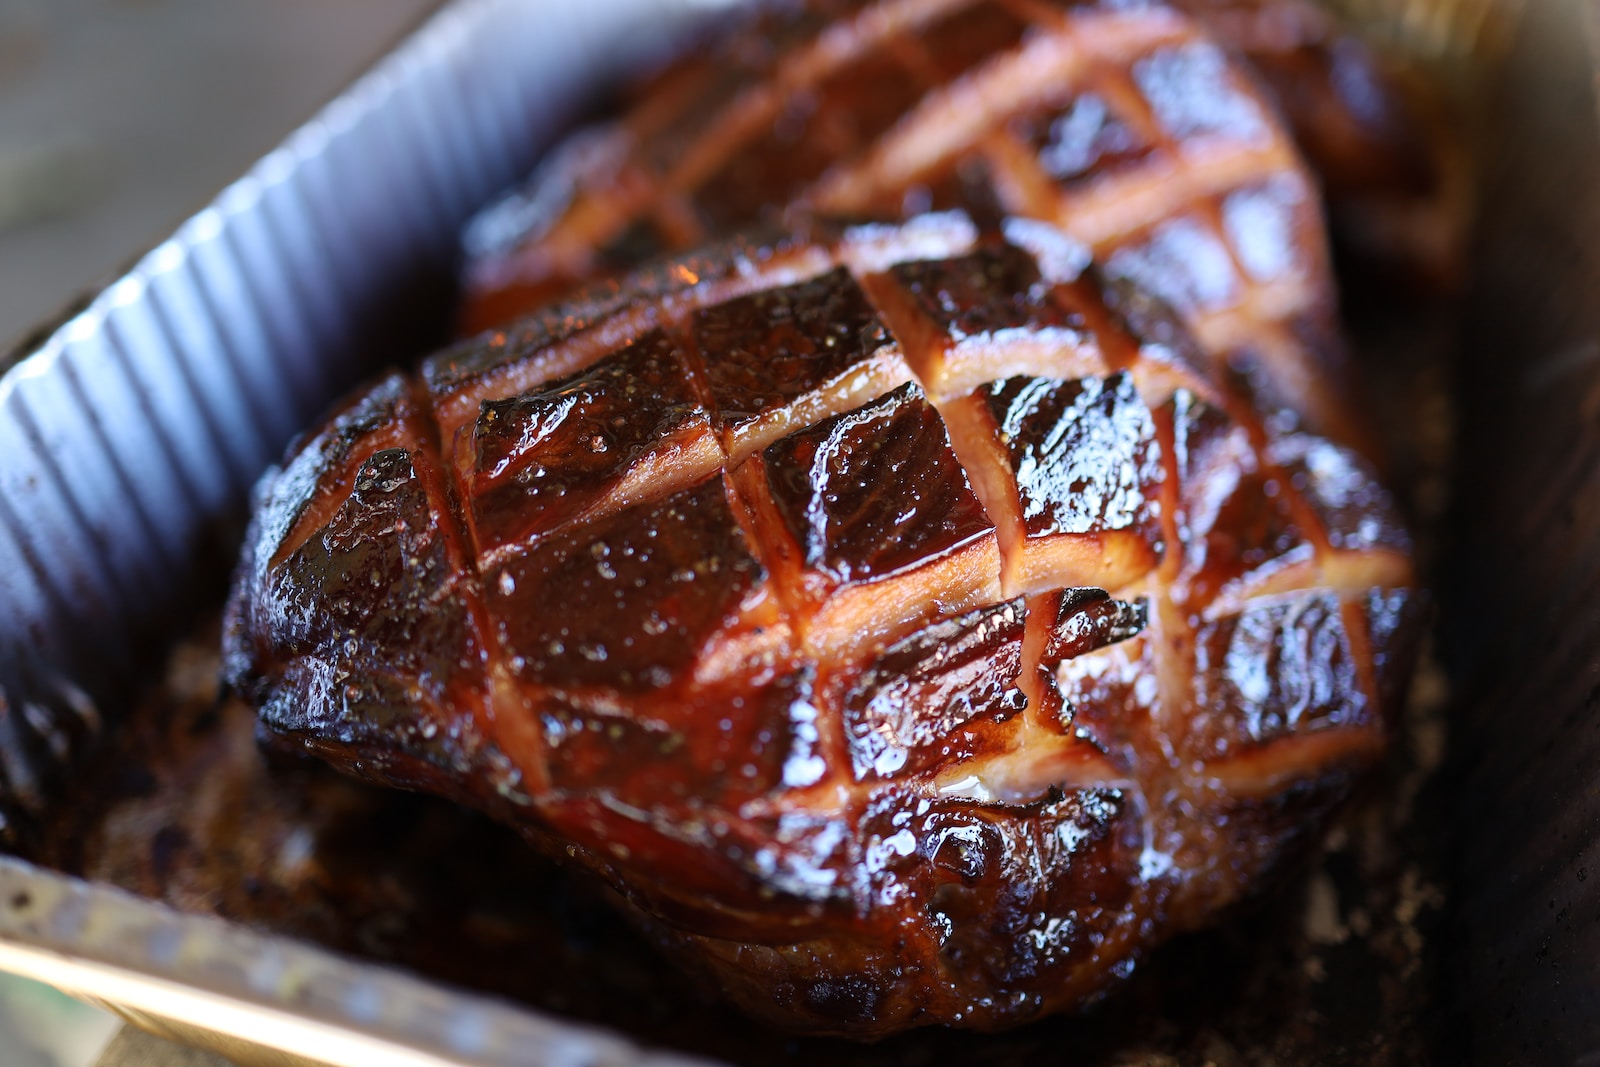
(906, 624)
(1123, 123)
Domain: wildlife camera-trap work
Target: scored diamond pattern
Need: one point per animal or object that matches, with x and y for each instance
(902, 519)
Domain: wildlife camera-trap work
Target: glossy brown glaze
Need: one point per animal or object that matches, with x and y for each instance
(812, 699)
(565, 448)
(1134, 127)
(874, 491)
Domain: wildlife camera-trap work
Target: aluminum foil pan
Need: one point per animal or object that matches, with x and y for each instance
(129, 439)
(244, 992)
(130, 436)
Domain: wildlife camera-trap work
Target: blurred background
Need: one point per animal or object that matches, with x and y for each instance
(118, 120)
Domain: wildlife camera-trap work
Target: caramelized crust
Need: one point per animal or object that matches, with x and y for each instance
(641, 592)
(873, 492)
(956, 672)
(774, 596)
(775, 352)
(540, 460)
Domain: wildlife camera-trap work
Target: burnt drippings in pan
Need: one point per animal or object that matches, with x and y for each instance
(811, 660)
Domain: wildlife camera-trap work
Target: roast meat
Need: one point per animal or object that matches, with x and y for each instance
(906, 623)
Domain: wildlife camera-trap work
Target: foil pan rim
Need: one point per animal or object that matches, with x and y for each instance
(109, 945)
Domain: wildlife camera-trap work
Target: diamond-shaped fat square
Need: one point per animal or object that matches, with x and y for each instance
(874, 491)
(627, 602)
(540, 459)
(767, 349)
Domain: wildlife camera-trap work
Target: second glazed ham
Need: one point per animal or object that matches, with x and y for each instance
(1127, 124)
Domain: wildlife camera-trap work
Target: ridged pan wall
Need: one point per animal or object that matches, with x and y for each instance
(130, 437)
